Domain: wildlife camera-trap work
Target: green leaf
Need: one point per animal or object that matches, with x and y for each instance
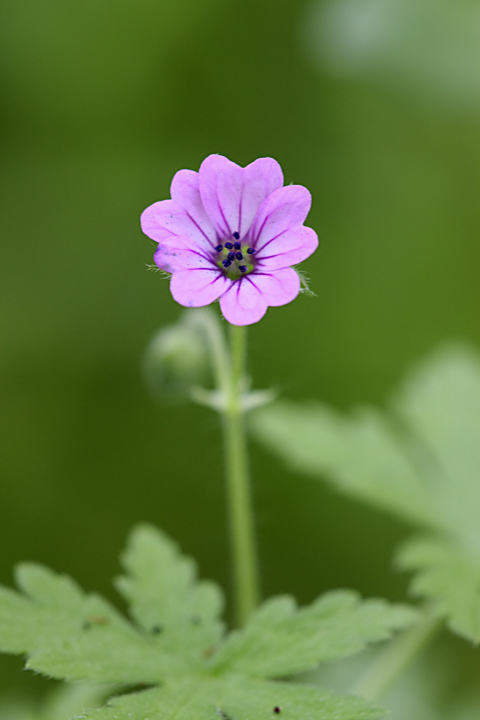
(176, 651)
(361, 453)
(165, 597)
(281, 640)
(69, 634)
(440, 402)
(237, 698)
(419, 459)
(448, 577)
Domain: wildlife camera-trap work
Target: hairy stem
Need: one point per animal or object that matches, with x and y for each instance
(242, 534)
(395, 658)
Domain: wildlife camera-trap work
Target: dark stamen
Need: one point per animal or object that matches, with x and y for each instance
(236, 235)
(239, 256)
(229, 246)
(231, 256)
(237, 246)
(242, 268)
(226, 263)
(250, 251)
(219, 248)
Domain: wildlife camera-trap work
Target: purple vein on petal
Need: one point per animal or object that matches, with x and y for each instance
(251, 281)
(205, 257)
(200, 228)
(271, 240)
(227, 226)
(260, 232)
(240, 205)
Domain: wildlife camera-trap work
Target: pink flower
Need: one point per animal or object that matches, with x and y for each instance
(232, 233)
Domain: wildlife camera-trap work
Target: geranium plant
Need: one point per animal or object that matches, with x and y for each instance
(233, 234)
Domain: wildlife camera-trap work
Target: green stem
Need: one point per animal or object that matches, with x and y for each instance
(242, 532)
(396, 657)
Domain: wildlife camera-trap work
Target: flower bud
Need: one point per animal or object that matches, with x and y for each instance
(175, 359)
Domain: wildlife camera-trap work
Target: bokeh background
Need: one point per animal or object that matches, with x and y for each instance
(374, 105)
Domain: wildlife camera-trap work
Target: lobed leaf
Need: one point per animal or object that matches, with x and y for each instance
(69, 634)
(440, 402)
(176, 653)
(450, 578)
(165, 597)
(281, 639)
(420, 460)
(237, 698)
(361, 454)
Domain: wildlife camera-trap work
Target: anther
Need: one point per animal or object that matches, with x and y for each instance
(237, 246)
(250, 251)
(242, 268)
(239, 256)
(219, 248)
(236, 235)
(231, 256)
(226, 263)
(229, 246)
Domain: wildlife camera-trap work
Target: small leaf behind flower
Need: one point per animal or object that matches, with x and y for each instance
(304, 283)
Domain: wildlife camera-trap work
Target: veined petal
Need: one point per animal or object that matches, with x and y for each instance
(166, 218)
(221, 183)
(243, 303)
(282, 210)
(196, 288)
(289, 248)
(260, 178)
(176, 254)
(185, 192)
(279, 287)
(232, 195)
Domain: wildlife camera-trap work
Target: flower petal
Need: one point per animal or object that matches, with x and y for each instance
(279, 287)
(196, 288)
(243, 303)
(284, 209)
(260, 178)
(221, 183)
(289, 248)
(166, 219)
(185, 192)
(232, 195)
(175, 254)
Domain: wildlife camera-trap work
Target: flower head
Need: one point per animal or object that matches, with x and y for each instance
(232, 233)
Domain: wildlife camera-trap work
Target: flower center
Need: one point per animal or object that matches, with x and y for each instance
(234, 258)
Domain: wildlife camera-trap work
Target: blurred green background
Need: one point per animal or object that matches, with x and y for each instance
(101, 102)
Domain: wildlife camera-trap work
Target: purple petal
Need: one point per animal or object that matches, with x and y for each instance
(166, 219)
(196, 288)
(284, 209)
(175, 254)
(221, 183)
(243, 303)
(185, 192)
(279, 287)
(289, 248)
(260, 178)
(232, 195)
